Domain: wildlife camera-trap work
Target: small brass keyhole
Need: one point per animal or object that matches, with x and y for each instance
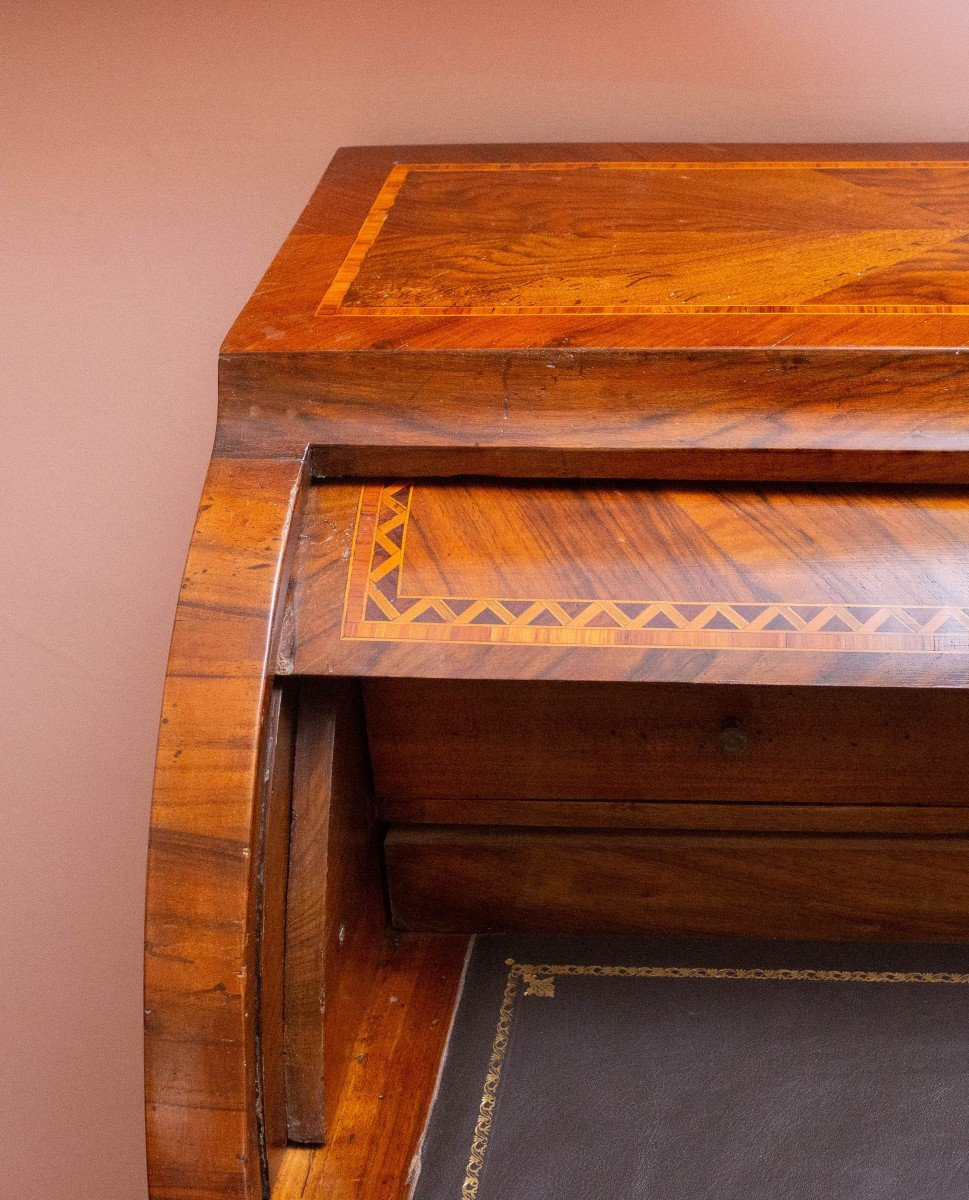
(732, 738)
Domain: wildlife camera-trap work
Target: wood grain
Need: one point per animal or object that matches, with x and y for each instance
(452, 740)
(787, 312)
(671, 815)
(760, 414)
(658, 237)
(336, 917)
(202, 918)
(391, 1079)
(709, 313)
(779, 585)
(891, 179)
(270, 898)
(718, 885)
(661, 565)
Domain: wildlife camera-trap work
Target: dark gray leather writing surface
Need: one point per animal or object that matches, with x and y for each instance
(682, 1070)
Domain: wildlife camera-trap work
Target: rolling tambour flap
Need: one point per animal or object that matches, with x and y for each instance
(746, 312)
(686, 583)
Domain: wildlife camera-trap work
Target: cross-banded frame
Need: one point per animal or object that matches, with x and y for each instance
(334, 299)
(376, 609)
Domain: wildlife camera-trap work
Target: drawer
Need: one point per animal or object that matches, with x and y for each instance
(456, 879)
(597, 582)
(462, 740)
(644, 642)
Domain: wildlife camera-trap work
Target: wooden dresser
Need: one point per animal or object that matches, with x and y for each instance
(585, 548)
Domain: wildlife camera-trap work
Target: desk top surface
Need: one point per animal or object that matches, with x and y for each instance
(623, 247)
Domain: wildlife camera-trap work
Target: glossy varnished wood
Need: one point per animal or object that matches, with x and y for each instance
(817, 334)
(721, 885)
(202, 953)
(753, 311)
(784, 585)
(392, 1073)
(382, 215)
(659, 237)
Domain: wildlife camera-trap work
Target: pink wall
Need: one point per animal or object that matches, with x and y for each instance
(156, 154)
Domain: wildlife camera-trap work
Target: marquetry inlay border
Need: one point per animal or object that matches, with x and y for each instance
(333, 301)
(539, 980)
(376, 609)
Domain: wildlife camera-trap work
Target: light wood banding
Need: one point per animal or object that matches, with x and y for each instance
(743, 239)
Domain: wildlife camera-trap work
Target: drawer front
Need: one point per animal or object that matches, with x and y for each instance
(463, 740)
(665, 584)
(458, 879)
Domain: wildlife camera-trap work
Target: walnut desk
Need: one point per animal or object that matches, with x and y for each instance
(585, 548)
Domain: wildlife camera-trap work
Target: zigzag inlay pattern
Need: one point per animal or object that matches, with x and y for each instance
(377, 609)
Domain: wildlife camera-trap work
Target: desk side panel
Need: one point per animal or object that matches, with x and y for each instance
(201, 922)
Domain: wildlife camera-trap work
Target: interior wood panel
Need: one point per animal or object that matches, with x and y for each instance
(669, 815)
(390, 1081)
(718, 885)
(277, 800)
(335, 912)
(499, 741)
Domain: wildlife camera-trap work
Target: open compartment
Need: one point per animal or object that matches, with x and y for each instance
(537, 727)
(381, 907)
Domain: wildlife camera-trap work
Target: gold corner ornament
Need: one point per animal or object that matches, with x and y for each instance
(538, 979)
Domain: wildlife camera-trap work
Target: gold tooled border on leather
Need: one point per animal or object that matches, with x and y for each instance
(539, 980)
